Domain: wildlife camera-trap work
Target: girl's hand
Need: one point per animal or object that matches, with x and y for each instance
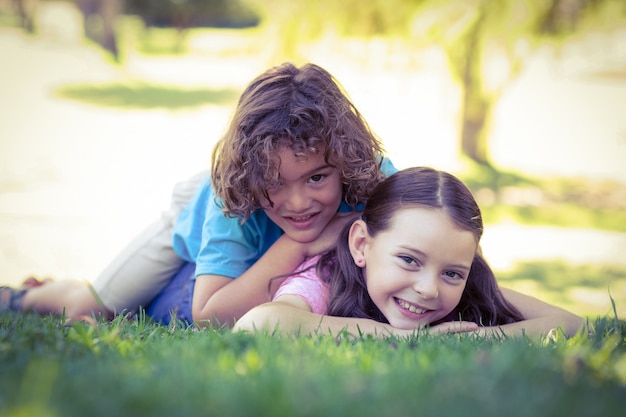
(453, 327)
(442, 328)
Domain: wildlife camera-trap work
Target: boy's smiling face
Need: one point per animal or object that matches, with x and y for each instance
(307, 196)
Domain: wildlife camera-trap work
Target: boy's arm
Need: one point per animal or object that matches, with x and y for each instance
(539, 317)
(223, 300)
(289, 314)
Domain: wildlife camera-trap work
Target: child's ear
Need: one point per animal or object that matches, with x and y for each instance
(357, 241)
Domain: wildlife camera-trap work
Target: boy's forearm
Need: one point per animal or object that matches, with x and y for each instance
(224, 304)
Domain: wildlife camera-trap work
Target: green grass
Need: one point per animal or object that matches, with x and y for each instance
(146, 96)
(560, 215)
(585, 289)
(134, 367)
(505, 195)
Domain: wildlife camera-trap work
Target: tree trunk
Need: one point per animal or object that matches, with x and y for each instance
(110, 10)
(473, 128)
(106, 11)
(475, 105)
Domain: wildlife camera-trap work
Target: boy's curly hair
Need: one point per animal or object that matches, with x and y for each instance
(306, 110)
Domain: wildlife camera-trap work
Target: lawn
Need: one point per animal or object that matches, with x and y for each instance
(133, 367)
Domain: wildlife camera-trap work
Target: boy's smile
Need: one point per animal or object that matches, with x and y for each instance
(307, 196)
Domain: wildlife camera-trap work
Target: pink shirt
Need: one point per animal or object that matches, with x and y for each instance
(308, 286)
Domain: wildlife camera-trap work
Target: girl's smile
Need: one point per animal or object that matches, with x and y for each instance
(417, 269)
(412, 311)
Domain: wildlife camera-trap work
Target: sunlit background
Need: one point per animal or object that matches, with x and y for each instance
(105, 105)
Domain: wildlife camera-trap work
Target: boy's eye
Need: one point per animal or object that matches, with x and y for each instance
(317, 178)
(273, 187)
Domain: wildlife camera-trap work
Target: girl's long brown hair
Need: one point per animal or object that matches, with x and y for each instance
(481, 301)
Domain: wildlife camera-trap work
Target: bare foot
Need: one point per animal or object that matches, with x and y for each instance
(32, 282)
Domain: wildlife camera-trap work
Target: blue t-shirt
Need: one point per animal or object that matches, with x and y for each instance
(221, 245)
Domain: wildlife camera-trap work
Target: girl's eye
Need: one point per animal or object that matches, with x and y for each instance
(408, 260)
(453, 275)
(317, 178)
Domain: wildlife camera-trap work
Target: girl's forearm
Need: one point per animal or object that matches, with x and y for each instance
(295, 318)
(536, 327)
(540, 317)
(287, 319)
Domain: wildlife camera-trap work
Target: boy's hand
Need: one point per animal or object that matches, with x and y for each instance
(330, 234)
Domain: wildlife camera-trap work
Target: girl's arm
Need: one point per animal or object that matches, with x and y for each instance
(290, 314)
(223, 300)
(540, 318)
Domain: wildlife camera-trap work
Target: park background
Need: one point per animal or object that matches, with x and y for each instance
(92, 140)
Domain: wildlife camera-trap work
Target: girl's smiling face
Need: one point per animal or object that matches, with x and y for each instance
(417, 269)
(307, 196)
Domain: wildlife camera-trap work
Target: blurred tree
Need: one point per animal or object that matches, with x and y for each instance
(185, 14)
(26, 12)
(289, 23)
(99, 19)
(99, 22)
(485, 41)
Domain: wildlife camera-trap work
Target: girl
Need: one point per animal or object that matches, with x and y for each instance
(411, 260)
(296, 152)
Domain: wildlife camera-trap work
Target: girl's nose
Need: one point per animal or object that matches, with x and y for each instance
(427, 285)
